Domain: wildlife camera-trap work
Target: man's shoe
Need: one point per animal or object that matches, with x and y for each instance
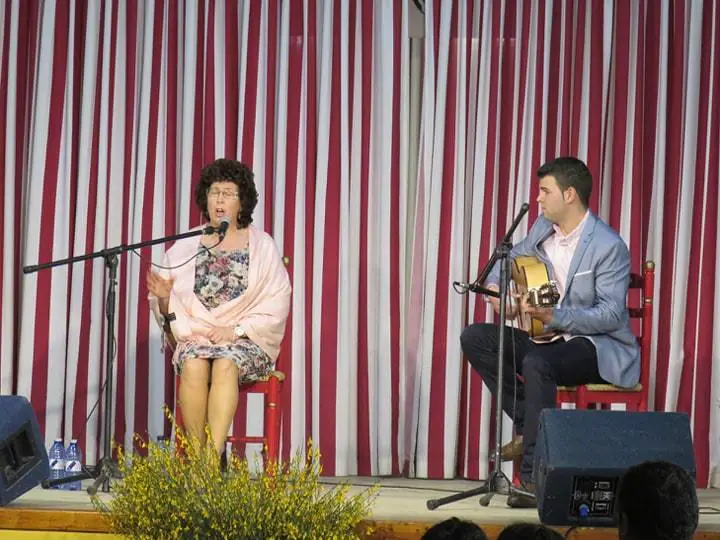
(512, 450)
(517, 500)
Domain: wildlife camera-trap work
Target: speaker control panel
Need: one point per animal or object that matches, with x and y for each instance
(593, 497)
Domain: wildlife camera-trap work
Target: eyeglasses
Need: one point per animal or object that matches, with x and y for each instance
(214, 194)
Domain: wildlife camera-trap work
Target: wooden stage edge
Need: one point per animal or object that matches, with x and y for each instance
(399, 512)
(85, 521)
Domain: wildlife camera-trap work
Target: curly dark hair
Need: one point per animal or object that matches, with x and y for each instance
(229, 170)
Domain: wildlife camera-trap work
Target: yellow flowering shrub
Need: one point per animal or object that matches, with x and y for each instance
(164, 495)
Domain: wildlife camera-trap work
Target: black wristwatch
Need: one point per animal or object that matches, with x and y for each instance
(170, 317)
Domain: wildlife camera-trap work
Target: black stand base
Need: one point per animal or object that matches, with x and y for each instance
(108, 470)
(105, 470)
(47, 484)
(497, 484)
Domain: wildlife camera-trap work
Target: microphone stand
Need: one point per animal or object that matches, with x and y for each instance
(498, 482)
(106, 468)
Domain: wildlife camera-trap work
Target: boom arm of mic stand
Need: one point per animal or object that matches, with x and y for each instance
(116, 250)
(477, 286)
(505, 243)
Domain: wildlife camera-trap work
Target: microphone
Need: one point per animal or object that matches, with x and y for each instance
(521, 214)
(461, 286)
(471, 287)
(222, 229)
(475, 287)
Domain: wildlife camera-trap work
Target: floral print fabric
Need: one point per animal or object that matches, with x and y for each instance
(222, 276)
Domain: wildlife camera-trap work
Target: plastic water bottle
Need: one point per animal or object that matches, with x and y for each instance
(56, 456)
(163, 443)
(73, 464)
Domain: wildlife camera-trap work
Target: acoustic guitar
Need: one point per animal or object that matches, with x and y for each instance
(532, 281)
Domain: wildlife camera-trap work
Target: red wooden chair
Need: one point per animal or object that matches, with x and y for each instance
(271, 387)
(636, 398)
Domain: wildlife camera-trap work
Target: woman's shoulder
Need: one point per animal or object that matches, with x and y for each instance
(260, 236)
(263, 242)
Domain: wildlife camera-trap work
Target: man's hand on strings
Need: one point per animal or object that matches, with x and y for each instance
(543, 314)
(510, 305)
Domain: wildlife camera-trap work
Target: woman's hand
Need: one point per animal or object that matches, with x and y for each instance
(158, 286)
(221, 335)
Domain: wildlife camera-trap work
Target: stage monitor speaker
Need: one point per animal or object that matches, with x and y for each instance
(581, 455)
(23, 458)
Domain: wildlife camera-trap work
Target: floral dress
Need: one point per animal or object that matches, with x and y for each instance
(221, 276)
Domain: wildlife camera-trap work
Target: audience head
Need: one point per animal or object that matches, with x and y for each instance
(656, 500)
(454, 529)
(529, 531)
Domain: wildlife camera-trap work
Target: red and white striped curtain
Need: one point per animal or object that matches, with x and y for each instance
(387, 168)
(633, 88)
(112, 107)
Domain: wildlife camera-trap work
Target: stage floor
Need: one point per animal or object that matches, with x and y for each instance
(399, 511)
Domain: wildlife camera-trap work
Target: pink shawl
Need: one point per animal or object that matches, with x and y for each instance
(262, 309)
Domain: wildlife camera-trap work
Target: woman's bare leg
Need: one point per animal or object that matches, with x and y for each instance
(194, 382)
(223, 400)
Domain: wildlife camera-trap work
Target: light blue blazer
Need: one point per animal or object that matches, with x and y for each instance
(595, 301)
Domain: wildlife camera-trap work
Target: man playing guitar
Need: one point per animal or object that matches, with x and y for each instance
(587, 337)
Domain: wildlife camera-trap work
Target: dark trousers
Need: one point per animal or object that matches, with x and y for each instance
(544, 367)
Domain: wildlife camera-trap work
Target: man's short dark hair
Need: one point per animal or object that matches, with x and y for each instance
(659, 502)
(569, 172)
(454, 529)
(528, 531)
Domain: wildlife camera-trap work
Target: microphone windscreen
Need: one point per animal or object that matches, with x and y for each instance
(224, 224)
